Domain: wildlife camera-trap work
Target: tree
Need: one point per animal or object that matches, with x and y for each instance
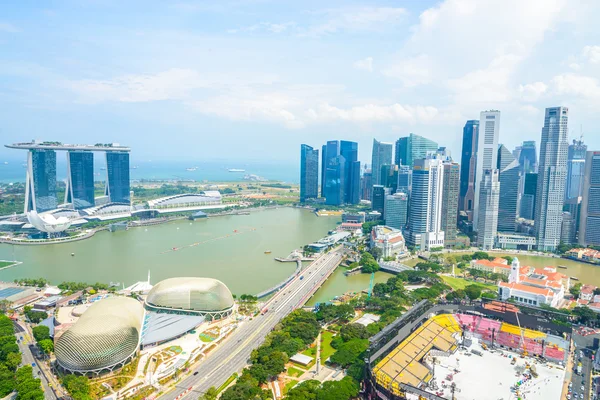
(13, 360)
(211, 394)
(376, 252)
(368, 263)
(509, 259)
(596, 291)
(473, 292)
(77, 386)
(5, 305)
(345, 389)
(585, 314)
(576, 290)
(368, 226)
(480, 255)
(349, 352)
(46, 346)
(353, 331)
(7, 381)
(41, 332)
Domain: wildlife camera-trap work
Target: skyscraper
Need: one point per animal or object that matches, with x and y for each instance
(40, 189)
(80, 179)
(487, 153)
(567, 230)
(117, 168)
(395, 210)
(528, 157)
(552, 175)
(589, 225)
(468, 162)
(404, 179)
(349, 150)
(378, 202)
(382, 155)
(575, 169)
(450, 202)
(510, 182)
(335, 176)
(366, 185)
(413, 147)
(309, 173)
(489, 195)
(323, 168)
(527, 209)
(425, 213)
(389, 177)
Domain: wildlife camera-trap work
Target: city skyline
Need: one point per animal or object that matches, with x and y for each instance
(174, 74)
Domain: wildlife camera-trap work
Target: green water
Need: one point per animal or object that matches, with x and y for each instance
(237, 259)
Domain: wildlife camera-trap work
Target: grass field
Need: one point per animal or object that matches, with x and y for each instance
(6, 263)
(295, 372)
(326, 349)
(460, 283)
(289, 385)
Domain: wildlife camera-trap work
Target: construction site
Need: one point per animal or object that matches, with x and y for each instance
(459, 352)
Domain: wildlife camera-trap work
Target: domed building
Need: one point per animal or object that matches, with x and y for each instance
(105, 338)
(191, 296)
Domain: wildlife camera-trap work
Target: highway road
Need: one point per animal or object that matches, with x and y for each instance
(27, 359)
(233, 354)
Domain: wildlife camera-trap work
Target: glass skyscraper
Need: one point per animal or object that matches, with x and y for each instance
(396, 210)
(335, 181)
(378, 202)
(381, 155)
(413, 147)
(528, 157)
(80, 179)
(575, 169)
(510, 182)
(589, 226)
(349, 150)
(40, 194)
(527, 209)
(309, 173)
(450, 202)
(117, 168)
(468, 160)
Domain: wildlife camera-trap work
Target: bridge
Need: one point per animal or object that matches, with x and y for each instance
(280, 285)
(233, 353)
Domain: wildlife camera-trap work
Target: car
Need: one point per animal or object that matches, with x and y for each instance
(195, 373)
(582, 388)
(581, 395)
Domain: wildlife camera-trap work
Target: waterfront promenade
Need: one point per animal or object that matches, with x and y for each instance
(233, 354)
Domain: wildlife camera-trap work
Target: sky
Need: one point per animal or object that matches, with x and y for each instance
(251, 80)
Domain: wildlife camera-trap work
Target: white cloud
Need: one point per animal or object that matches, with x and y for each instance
(592, 54)
(530, 110)
(265, 26)
(364, 64)
(9, 28)
(575, 66)
(355, 19)
(532, 91)
(411, 71)
(577, 85)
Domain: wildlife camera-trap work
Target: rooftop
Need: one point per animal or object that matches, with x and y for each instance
(527, 289)
(68, 147)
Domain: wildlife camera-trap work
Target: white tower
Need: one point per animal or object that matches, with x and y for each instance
(515, 267)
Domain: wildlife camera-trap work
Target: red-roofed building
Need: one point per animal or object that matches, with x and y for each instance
(388, 239)
(587, 292)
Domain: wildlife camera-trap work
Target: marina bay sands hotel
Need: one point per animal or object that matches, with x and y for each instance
(40, 189)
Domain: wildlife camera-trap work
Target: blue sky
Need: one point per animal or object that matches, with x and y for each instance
(253, 79)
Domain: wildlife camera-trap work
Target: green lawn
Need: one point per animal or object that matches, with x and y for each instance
(326, 349)
(289, 385)
(460, 283)
(311, 351)
(295, 372)
(227, 382)
(205, 338)
(6, 263)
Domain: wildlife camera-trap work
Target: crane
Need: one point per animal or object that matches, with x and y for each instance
(522, 336)
(371, 285)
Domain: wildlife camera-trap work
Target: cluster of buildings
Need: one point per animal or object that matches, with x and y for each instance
(507, 199)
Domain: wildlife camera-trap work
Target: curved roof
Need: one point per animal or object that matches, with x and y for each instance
(209, 196)
(47, 222)
(106, 334)
(191, 294)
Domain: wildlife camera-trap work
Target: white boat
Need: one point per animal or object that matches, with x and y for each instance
(236, 170)
(191, 169)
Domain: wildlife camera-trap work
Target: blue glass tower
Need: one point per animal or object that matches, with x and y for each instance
(468, 161)
(349, 150)
(117, 168)
(40, 193)
(80, 190)
(309, 172)
(334, 181)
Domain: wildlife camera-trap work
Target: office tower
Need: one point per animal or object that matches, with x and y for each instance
(335, 176)
(517, 152)
(425, 204)
(382, 155)
(527, 209)
(349, 150)
(389, 177)
(575, 169)
(80, 179)
(468, 162)
(323, 168)
(404, 179)
(567, 230)
(117, 168)
(378, 198)
(510, 183)
(573, 206)
(40, 189)
(366, 183)
(487, 153)
(450, 202)
(309, 173)
(589, 219)
(528, 157)
(396, 209)
(413, 147)
(552, 175)
(487, 220)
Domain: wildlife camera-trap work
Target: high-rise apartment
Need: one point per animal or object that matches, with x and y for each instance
(575, 169)
(40, 189)
(425, 213)
(396, 209)
(468, 161)
(489, 196)
(552, 175)
(510, 183)
(382, 155)
(309, 173)
(413, 147)
(80, 179)
(527, 209)
(450, 202)
(378, 199)
(589, 225)
(349, 150)
(487, 153)
(117, 168)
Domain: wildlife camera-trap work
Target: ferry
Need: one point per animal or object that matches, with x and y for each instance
(236, 170)
(267, 251)
(574, 278)
(562, 267)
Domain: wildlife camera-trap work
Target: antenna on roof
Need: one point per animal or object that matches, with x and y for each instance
(148, 277)
(581, 132)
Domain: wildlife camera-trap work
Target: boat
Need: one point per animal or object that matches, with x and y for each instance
(191, 169)
(574, 278)
(562, 267)
(72, 254)
(267, 251)
(236, 170)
